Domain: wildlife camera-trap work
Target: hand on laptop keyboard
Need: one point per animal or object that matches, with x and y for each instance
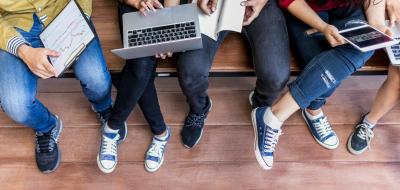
(149, 5)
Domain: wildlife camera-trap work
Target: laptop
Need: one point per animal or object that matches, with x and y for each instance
(173, 29)
(394, 51)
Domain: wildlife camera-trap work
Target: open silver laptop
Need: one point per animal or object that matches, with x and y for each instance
(172, 29)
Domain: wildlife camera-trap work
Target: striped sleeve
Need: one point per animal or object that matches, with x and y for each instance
(14, 43)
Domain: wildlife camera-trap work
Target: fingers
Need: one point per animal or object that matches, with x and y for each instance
(392, 19)
(213, 5)
(49, 68)
(169, 54)
(143, 8)
(51, 53)
(252, 11)
(150, 5)
(157, 4)
(339, 38)
(203, 5)
(164, 55)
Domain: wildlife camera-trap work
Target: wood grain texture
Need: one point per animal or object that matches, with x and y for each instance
(205, 175)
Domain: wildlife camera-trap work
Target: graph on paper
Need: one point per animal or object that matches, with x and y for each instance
(68, 34)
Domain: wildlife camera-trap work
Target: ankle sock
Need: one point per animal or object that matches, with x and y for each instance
(314, 117)
(163, 137)
(271, 120)
(107, 129)
(369, 124)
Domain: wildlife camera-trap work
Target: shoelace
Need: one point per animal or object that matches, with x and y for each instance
(44, 142)
(271, 139)
(195, 120)
(156, 149)
(104, 115)
(323, 127)
(109, 146)
(365, 133)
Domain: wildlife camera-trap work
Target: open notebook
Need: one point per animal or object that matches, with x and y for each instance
(228, 16)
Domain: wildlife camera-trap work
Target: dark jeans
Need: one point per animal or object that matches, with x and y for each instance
(136, 85)
(268, 40)
(324, 67)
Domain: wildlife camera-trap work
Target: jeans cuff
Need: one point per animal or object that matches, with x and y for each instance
(47, 128)
(158, 130)
(316, 104)
(298, 95)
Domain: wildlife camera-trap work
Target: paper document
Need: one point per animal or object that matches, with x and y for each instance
(394, 51)
(69, 34)
(228, 15)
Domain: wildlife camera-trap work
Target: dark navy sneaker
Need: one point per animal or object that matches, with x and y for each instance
(322, 131)
(265, 138)
(48, 156)
(359, 141)
(104, 115)
(192, 130)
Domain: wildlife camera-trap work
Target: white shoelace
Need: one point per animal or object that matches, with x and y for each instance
(157, 148)
(323, 127)
(109, 146)
(271, 139)
(366, 134)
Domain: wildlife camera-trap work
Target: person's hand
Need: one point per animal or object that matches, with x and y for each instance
(37, 60)
(385, 29)
(332, 35)
(253, 9)
(393, 11)
(207, 6)
(149, 5)
(164, 55)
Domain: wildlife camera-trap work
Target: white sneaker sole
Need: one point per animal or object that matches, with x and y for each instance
(351, 150)
(104, 170)
(330, 147)
(124, 137)
(150, 170)
(259, 158)
(250, 98)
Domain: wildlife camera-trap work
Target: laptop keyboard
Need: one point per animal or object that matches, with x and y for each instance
(161, 34)
(396, 50)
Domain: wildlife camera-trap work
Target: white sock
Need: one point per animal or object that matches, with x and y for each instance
(107, 129)
(163, 137)
(369, 124)
(314, 117)
(271, 120)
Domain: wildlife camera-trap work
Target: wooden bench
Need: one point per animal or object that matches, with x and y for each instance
(232, 59)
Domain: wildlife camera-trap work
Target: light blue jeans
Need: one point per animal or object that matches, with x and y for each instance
(18, 85)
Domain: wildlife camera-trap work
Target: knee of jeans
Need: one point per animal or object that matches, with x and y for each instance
(273, 80)
(99, 85)
(140, 70)
(18, 107)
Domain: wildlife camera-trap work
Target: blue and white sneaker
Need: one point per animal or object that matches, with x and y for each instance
(265, 138)
(359, 141)
(322, 131)
(107, 157)
(155, 153)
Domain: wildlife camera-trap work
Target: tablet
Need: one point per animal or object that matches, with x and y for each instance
(394, 51)
(366, 38)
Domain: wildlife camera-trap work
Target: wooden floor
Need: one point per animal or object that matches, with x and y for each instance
(224, 158)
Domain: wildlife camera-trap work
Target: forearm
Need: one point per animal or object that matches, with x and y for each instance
(171, 3)
(375, 12)
(303, 12)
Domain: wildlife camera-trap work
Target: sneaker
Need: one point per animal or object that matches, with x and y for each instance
(265, 139)
(155, 153)
(252, 99)
(322, 131)
(104, 115)
(192, 130)
(123, 133)
(48, 156)
(359, 141)
(107, 157)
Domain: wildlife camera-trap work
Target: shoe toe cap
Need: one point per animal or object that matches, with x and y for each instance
(108, 164)
(332, 141)
(268, 162)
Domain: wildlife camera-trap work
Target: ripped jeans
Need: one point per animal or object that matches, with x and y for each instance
(324, 67)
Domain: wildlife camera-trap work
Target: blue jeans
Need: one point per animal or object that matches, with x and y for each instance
(18, 85)
(324, 67)
(268, 39)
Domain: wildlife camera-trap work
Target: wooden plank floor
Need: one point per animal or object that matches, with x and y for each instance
(223, 160)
